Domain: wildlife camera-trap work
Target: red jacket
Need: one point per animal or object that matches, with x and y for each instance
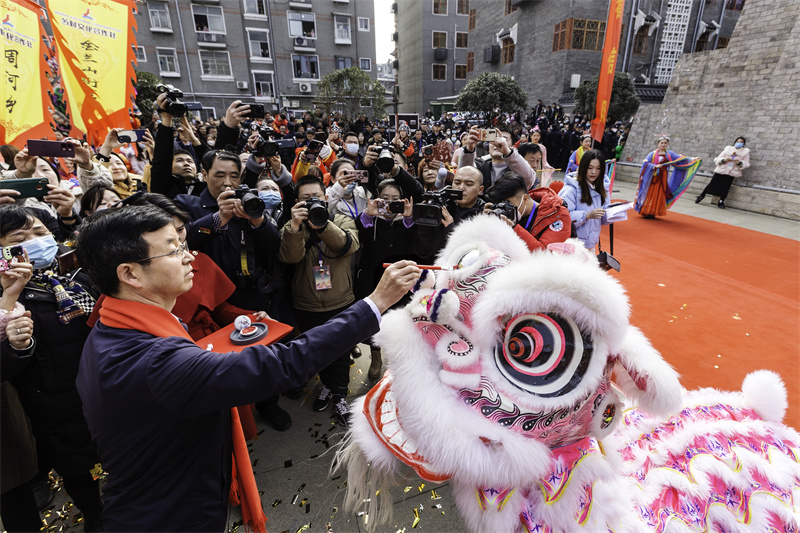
(551, 221)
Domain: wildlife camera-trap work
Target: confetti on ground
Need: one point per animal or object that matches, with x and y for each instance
(435, 496)
(328, 528)
(294, 500)
(303, 502)
(255, 463)
(301, 487)
(438, 506)
(260, 432)
(287, 464)
(416, 518)
(407, 488)
(719, 355)
(661, 285)
(422, 486)
(716, 366)
(304, 528)
(360, 514)
(736, 316)
(308, 508)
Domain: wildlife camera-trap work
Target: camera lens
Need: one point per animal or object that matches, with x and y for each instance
(318, 214)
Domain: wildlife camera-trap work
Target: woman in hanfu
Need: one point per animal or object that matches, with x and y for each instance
(658, 187)
(575, 158)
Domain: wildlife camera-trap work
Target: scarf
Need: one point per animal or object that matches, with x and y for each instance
(72, 299)
(159, 322)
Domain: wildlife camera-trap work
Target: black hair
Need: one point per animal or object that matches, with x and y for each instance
(350, 133)
(744, 141)
(528, 148)
(389, 182)
(403, 157)
(509, 185)
(309, 179)
(114, 236)
(338, 164)
(93, 196)
(14, 217)
(583, 173)
(9, 151)
(161, 201)
(212, 155)
(181, 151)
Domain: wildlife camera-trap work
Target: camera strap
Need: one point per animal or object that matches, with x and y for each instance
(315, 240)
(247, 253)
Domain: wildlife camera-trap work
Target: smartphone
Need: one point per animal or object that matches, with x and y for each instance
(130, 136)
(313, 150)
(362, 176)
(256, 110)
(28, 187)
(67, 262)
(50, 148)
(321, 136)
(9, 255)
(396, 207)
(489, 135)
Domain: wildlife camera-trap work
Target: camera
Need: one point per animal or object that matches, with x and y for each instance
(253, 205)
(385, 161)
(265, 146)
(172, 105)
(429, 211)
(506, 209)
(427, 151)
(317, 212)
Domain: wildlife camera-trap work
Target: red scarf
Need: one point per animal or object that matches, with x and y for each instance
(159, 322)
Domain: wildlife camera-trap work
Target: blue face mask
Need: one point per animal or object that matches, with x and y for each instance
(350, 188)
(351, 148)
(271, 199)
(41, 251)
(738, 145)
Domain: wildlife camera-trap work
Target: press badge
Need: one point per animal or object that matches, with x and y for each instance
(322, 277)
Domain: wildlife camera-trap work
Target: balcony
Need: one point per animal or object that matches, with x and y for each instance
(210, 40)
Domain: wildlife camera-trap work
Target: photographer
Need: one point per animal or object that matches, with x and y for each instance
(321, 245)
(350, 151)
(383, 162)
(539, 217)
(502, 156)
(346, 196)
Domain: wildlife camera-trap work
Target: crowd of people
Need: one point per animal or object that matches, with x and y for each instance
(266, 216)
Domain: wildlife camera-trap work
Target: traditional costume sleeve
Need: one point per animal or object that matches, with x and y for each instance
(683, 171)
(645, 177)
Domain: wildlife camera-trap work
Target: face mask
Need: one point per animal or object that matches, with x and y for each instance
(350, 188)
(454, 138)
(351, 148)
(520, 209)
(41, 251)
(271, 199)
(738, 145)
(210, 144)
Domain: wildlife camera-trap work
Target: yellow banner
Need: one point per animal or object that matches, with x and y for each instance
(23, 94)
(94, 40)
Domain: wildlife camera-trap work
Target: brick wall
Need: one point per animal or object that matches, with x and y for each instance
(748, 89)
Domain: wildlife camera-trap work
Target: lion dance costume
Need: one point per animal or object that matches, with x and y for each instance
(518, 377)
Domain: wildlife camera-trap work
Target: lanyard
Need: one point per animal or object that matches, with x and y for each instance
(530, 217)
(355, 206)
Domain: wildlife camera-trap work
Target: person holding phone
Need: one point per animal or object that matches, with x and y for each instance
(346, 194)
(503, 156)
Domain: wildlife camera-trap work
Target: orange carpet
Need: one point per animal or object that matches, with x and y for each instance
(716, 300)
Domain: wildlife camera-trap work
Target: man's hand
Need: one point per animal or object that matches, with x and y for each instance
(299, 215)
(19, 331)
(238, 210)
(275, 164)
(371, 156)
(261, 316)
(227, 206)
(26, 164)
(149, 144)
(595, 213)
(396, 281)
(166, 118)
(373, 207)
(447, 218)
(8, 196)
(111, 142)
(502, 144)
(83, 155)
(235, 114)
(472, 139)
(61, 199)
(186, 131)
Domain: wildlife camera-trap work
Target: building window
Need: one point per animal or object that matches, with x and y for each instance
(579, 34)
(439, 39)
(208, 19)
(723, 42)
(440, 7)
(141, 56)
(167, 62)
(509, 7)
(305, 66)
(461, 72)
(470, 61)
(263, 84)
(363, 24)
(462, 7)
(508, 51)
(735, 5)
(366, 64)
(159, 16)
(471, 24)
(214, 63)
(640, 41)
(439, 72)
(343, 62)
(302, 25)
(702, 42)
(255, 7)
(341, 26)
(461, 39)
(259, 44)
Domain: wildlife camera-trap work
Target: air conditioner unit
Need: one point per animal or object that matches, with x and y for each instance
(210, 37)
(440, 54)
(491, 54)
(305, 87)
(300, 41)
(241, 85)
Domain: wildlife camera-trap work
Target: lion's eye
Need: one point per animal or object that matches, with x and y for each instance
(544, 354)
(468, 259)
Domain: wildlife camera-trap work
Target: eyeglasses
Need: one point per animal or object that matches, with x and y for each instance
(177, 252)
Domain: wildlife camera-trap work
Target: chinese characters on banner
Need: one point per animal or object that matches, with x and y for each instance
(609, 65)
(95, 40)
(24, 102)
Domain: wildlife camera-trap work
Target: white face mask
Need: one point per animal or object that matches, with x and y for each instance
(351, 148)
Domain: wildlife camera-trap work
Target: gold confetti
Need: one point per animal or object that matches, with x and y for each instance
(736, 317)
(416, 518)
(422, 486)
(407, 489)
(304, 528)
(304, 502)
(434, 496)
(378, 492)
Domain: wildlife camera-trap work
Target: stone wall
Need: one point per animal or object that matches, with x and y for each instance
(748, 89)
